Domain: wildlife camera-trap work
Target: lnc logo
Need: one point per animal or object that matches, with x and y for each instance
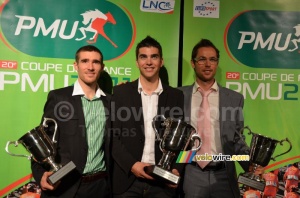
(264, 39)
(44, 33)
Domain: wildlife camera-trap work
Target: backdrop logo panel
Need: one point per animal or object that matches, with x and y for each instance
(204, 8)
(158, 6)
(261, 39)
(92, 22)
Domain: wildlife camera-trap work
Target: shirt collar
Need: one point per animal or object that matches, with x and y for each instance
(158, 90)
(214, 87)
(77, 91)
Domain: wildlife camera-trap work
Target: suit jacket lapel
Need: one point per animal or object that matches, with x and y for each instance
(222, 104)
(162, 99)
(106, 105)
(137, 104)
(188, 101)
(79, 112)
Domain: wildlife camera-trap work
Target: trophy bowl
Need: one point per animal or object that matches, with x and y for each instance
(261, 151)
(177, 136)
(42, 150)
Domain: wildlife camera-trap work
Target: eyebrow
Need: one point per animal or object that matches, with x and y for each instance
(152, 55)
(208, 57)
(87, 60)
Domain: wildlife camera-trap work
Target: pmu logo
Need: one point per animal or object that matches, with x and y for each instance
(44, 33)
(96, 20)
(264, 39)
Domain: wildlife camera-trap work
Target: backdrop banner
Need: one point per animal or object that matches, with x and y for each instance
(38, 41)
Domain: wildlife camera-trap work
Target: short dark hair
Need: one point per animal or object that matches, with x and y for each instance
(148, 42)
(88, 48)
(204, 43)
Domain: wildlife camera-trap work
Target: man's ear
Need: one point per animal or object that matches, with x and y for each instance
(75, 66)
(102, 68)
(192, 64)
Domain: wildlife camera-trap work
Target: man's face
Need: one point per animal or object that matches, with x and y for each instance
(88, 67)
(149, 62)
(205, 64)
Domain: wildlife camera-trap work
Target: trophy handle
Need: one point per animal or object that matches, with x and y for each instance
(16, 143)
(55, 128)
(246, 127)
(154, 127)
(196, 137)
(281, 143)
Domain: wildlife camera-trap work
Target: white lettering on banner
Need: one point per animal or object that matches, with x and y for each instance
(268, 76)
(12, 78)
(272, 41)
(41, 26)
(45, 82)
(26, 78)
(70, 68)
(259, 76)
(263, 91)
(28, 22)
(287, 77)
(34, 66)
(22, 25)
(122, 71)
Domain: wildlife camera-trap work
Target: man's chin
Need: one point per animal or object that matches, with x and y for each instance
(90, 82)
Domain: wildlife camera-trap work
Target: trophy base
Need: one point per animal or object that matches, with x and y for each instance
(58, 175)
(258, 185)
(159, 173)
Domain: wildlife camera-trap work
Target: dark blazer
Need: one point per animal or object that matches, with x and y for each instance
(231, 122)
(128, 129)
(71, 138)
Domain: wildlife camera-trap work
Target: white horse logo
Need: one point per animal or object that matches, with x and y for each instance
(96, 20)
(296, 41)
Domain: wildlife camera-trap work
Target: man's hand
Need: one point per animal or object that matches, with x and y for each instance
(174, 171)
(44, 184)
(138, 170)
(259, 170)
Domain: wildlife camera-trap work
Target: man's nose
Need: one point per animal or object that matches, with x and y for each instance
(90, 66)
(149, 61)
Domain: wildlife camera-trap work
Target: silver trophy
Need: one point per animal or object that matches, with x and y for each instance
(261, 151)
(42, 150)
(178, 135)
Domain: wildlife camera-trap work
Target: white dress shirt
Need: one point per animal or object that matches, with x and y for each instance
(149, 103)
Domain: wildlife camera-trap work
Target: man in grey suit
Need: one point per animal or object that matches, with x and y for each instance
(217, 179)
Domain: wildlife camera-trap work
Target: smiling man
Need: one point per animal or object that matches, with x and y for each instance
(81, 113)
(133, 145)
(217, 114)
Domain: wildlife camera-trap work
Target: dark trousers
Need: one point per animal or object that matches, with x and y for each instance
(147, 189)
(94, 189)
(206, 184)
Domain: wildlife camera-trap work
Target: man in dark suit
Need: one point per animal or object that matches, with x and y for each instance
(134, 105)
(81, 113)
(216, 179)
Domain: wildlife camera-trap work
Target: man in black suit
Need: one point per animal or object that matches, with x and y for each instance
(81, 113)
(134, 105)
